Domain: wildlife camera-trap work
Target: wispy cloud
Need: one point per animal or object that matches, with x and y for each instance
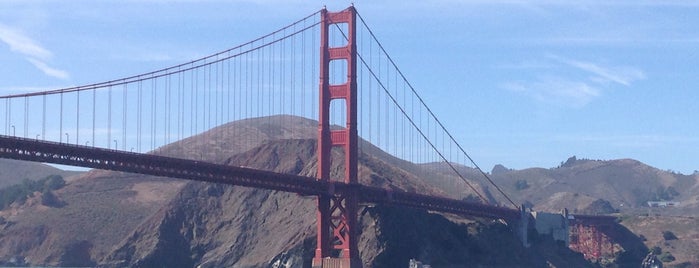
(556, 90)
(34, 53)
(572, 83)
(618, 74)
(22, 44)
(48, 70)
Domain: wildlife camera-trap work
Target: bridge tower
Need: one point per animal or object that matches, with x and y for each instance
(337, 211)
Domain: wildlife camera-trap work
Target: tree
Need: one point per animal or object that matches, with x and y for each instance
(666, 257)
(570, 162)
(20, 192)
(521, 185)
(668, 235)
(50, 200)
(53, 182)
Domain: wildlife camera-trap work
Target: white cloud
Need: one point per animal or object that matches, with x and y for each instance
(618, 74)
(36, 54)
(572, 83)
(556, 90)
(22, 44)
(60, 74)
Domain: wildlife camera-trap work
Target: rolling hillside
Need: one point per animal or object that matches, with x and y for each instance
(115, 219)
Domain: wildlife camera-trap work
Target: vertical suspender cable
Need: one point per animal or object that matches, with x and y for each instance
(217, 110)
(379, 103)
(182, 85)
(153, 108)
(314, 60)
(260, 54)
(292, 70)
(139, 117)
(77, 118)
(179, 105)
(43, 117)
(399, 150)
(273, 77)
(406, 136)
(237, 89)
(192, 101)
(281, 75)
(212, 85)
(124, 117)
(215, 87)
(388, 108)
(94, 114)
(166, 116)
(195, 93)
(109, 118)
(60, 128)
(370, 93)
(303, 70)
(7, 117)
(26, 116)
(246, 98)
(207, 100)
(228, 92)
(222, 89)
(270, 81)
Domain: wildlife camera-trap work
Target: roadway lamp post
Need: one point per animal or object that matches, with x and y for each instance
(13, 131)
(67, 138)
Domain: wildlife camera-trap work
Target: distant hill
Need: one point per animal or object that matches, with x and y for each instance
(115, 219)
(578, 183)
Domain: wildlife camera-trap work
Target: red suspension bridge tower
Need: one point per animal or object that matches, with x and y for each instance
(337, 211)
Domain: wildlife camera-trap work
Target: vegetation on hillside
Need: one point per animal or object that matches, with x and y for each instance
(521, 185)
(20, 192)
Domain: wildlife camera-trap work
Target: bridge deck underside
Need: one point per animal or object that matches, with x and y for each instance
(148, 164)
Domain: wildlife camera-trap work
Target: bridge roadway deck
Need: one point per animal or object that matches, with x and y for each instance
(149, 164)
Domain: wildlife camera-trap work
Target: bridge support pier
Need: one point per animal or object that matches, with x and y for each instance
(337, 211)
(522, 227)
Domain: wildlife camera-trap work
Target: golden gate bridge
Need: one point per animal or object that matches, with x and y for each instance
(362, 102)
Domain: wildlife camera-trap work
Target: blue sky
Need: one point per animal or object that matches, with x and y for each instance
(519, 83)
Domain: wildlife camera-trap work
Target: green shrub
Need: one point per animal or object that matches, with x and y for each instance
(52, 182)
(666, 257)
(20, 192)
(667, 235)
(521, 185)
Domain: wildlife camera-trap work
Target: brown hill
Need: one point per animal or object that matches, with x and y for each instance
(624, 183)
(117, 219)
